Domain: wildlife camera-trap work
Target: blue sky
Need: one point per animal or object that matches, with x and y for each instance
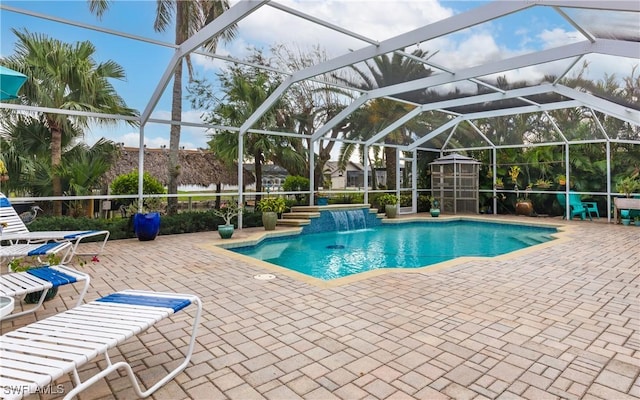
(145, 63)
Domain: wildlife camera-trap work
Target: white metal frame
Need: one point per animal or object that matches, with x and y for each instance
(488, 12)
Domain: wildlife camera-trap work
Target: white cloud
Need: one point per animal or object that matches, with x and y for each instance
(558, 37)
(379, 20)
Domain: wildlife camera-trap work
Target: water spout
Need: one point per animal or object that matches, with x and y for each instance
(347, 220)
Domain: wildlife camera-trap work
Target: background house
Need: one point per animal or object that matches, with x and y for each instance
(273, 177)
(352, 177)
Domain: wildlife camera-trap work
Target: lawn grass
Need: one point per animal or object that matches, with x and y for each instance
(200, 195)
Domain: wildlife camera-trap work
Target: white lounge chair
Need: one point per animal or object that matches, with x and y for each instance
(36, 250)
(17, 232)
(40, 279)
(36, 355)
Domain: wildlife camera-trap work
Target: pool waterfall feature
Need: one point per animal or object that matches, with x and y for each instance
(340, 217)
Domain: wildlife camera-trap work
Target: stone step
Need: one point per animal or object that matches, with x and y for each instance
(293, 222)
(301, 215)
(331, 207)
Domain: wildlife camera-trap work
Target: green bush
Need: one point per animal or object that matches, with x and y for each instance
(128, 184)
(405, 200)
(423, 203)
(295, 183)
(272, 204)
(122, 228)
(387, 199)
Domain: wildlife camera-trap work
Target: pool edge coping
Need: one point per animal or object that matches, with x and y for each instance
(561, 236)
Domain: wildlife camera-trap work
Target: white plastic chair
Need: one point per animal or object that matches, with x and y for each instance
(36, 355)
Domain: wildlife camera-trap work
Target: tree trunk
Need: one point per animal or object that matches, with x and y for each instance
(218, 191)
(176, 115)
(374, 179)
(390, 155)
(257, 163)
(174, 141)
(56, 160)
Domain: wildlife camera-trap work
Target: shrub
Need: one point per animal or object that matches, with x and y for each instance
(296, 183)
(387, 199)
(272, 204)
(122, 228)
(128, 184)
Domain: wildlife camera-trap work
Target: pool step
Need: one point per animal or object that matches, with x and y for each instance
(301, 215)
(533, 239)
(289, 221)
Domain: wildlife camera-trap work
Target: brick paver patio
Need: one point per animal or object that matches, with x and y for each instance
(558, 322)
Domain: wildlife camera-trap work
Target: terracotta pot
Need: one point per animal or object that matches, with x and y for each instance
(524, 208)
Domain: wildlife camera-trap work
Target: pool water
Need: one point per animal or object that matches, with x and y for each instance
(330, 255)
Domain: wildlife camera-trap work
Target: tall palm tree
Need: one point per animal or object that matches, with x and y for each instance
(245, 90)
(388, 70)
(188, 17)
(65, 76)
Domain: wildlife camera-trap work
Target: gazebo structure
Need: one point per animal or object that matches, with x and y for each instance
(600, 30)
(455, 183)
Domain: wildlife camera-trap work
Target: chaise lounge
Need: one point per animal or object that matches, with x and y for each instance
(40, 279)
(17, 232)
(38, 354)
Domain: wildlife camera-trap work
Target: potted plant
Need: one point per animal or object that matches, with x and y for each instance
(543, 183)
(499, 183)
(231, 210)
(434, 206)
(524, 206)
(322, 199)
(390, 203)
(561, 179)
(271, 207)
(514, 171)
(627, 186)
(146, 219)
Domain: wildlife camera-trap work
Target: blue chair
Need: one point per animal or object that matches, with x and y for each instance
(592, 208)
(575, 205)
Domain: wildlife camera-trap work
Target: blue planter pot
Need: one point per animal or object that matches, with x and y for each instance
(146, 226)
(323, 201)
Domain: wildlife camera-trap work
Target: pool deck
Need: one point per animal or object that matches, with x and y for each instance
(558, 321)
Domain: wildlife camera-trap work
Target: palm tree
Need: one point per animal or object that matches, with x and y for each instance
(246, 90)
(65, 76)
(190, 17)
(389, 70)
(82, 170)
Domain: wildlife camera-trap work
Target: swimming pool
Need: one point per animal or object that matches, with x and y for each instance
(331, 255)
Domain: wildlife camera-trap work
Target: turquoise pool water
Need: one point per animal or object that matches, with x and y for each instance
(331, 255)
